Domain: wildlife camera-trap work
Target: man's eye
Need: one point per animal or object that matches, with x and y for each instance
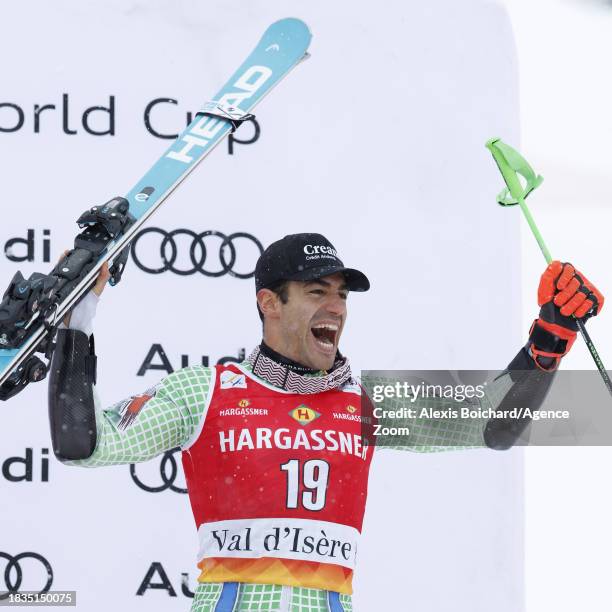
(317, 291)
(344, 296)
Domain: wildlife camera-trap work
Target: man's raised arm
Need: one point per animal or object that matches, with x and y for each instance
(564, 295)
(135, 429)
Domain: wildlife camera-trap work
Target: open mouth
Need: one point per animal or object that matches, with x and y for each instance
(325, 335)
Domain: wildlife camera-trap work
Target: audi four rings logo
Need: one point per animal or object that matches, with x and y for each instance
(168, 469)
(186, 252)
(13, 572)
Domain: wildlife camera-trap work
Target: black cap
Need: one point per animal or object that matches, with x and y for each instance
(304, 257)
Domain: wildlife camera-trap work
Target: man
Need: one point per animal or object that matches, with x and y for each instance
(277, 483)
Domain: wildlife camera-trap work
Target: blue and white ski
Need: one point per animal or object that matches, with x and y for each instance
(283, 46)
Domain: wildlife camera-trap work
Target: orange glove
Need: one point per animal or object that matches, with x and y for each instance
(564, 295)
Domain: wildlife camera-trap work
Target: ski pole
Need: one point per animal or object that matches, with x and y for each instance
(512, 166)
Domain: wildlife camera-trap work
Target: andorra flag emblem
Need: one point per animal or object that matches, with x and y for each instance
(303, 414)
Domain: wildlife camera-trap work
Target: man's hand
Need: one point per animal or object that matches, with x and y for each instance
(102, 279)
(564, 295)
(570, 291)
(98, 287)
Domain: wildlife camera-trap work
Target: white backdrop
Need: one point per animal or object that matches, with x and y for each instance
(572, 208)
(377, 142)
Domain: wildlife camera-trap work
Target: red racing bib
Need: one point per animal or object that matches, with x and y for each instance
(278, 484)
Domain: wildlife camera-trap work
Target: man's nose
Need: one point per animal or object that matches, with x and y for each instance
(336, 305)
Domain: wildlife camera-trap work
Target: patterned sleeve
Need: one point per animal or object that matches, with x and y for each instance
(146, 425)
(431, 435)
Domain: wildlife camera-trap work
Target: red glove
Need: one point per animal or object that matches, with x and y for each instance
(564, 296)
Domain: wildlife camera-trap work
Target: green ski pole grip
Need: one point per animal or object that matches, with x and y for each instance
(513, 165)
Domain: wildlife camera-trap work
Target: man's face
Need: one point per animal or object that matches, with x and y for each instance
(308, 327)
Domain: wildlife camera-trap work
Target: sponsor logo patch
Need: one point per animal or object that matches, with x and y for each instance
(243, 411)
(130, 408)
(304, 415)
(231, 380)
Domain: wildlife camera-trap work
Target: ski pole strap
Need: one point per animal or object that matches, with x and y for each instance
(229, 113)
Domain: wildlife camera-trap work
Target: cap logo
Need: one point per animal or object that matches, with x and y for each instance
(310, 249)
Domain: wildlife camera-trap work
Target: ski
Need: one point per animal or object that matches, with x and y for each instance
(282, 47)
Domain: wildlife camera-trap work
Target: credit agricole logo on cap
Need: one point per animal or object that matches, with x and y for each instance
(315, 249)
